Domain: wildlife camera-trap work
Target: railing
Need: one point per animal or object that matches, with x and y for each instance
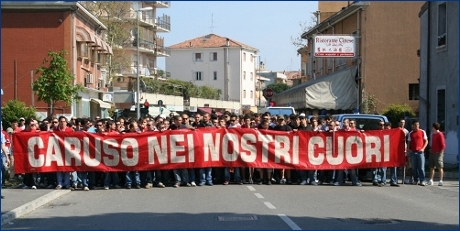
(164, 22)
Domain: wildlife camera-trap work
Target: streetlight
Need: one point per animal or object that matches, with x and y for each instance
(138, 107)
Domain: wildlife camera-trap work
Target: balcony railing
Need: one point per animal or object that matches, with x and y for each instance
(163, 24)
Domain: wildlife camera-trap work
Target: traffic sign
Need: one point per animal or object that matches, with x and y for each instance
(268, 93)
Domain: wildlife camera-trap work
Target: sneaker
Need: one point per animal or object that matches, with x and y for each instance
(193, 184)
(440, 183)
(304, 182)
(128, 186)
(394, 185)
(25, 187)
(85, 189)
(336, 184)
(269, 182)
(375, 183)
(106, 187)
(189, 185)
(58, 187)
(430, 182)
(176, 185)
(209, 184)
(415, 182)
(148, 185)
(160, 185)
(313, 183)
(34, 187)
(283, 181)
(226, 182)
(138, 186)
(381, 184)
(423, 183)
(260, 182)
(240, 182)
(117, 186)
(357, 184)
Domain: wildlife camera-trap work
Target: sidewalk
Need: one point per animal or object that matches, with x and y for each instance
(18, 202)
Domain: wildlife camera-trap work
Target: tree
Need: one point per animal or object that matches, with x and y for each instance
(15, 109)
(112, 15)
(55, 83)
(278, 87)
(395, 112)
(297, 41)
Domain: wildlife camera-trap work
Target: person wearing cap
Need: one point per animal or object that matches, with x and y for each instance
(21, 123)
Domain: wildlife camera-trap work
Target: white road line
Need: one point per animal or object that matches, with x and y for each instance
(269, 205)
(258, 195)
(251, 188)
(289, 222)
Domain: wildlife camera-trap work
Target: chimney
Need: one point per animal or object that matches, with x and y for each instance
(228, 42)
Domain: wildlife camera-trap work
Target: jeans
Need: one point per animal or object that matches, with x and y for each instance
(136, 178)
(236, 171)
(418, 166)
(63, 179)
(205, 175)
(162, 176)
(380, 175)
(181, 175)
(393, 176)
(111, 177)
(191, 175)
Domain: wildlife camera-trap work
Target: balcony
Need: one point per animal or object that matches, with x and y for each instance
(163, 24)
(159, 4)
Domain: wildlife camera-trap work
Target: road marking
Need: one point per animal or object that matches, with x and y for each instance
(251, 188)
(289, 222)
(258, 195)
(269, 205)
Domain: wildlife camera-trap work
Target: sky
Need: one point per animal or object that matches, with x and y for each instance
(265, 25)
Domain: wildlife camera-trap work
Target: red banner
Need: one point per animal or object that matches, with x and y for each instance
(80, 151)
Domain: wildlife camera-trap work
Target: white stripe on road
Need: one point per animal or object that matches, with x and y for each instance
(258, 195)
(289, 222)
(251, 188)
(269, 205)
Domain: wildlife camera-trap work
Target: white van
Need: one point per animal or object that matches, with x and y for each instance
(278, 110)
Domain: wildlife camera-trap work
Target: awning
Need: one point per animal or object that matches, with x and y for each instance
(82, 35)
(335, 91)
(101, 103)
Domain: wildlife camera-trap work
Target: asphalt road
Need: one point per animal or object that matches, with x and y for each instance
(288, 207)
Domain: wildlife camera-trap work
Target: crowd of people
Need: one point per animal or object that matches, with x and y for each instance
(416, 143)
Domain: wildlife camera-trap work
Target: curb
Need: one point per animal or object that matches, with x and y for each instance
(29, 207)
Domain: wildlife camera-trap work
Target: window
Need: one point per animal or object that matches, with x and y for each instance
(414, 91)
(244, 56)
(441, 108)
(198, 75)
(215, 75)
(213, 56)
(252, 94)
(244, 94)
(82, 49)
(252, 58)
(244, 75)
(252, 76)
(442, 24)
(197, 56)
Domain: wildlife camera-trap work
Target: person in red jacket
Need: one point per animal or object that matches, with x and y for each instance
(438, 144)
(63, 178)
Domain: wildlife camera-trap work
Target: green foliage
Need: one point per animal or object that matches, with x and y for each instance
(13, 110)
(395, 112)
(55, 83)
(368, 105)
(181, 88)
(278, 87)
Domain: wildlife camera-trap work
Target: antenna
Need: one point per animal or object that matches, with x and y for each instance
(212, 22)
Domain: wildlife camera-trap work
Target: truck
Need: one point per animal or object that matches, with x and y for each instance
(278, 110)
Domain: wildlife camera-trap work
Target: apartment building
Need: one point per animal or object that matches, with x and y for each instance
(220, 62)
(437, 88)
(30, 30)
(382, 71)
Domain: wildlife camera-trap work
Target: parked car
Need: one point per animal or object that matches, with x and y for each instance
(278, 110)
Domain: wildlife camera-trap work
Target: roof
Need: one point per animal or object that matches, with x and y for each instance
(210, 41)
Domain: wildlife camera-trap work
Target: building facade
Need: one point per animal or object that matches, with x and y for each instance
(386, 38)
(219, 62)
(30, 30)
(438, 85)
